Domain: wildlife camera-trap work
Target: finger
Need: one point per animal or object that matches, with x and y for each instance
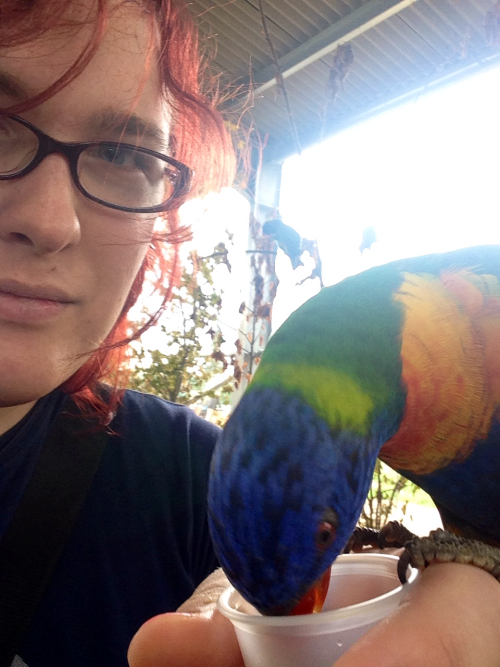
(185, 640)
(450, 619)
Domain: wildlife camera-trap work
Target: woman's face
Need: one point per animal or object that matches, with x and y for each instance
(75, 258)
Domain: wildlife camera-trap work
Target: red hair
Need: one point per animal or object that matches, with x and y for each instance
(199, 139)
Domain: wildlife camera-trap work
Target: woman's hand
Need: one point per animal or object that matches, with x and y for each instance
(197, 635)
(451, 618)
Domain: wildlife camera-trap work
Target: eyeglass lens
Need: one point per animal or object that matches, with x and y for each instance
(113, 173)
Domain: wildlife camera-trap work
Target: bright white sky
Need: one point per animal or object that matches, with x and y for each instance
(426, 175)
(209, 219)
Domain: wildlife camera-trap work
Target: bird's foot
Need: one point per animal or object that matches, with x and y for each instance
(419, 552)
(444, 547)
(392, 535)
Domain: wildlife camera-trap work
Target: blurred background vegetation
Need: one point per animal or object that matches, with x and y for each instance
(187, 364)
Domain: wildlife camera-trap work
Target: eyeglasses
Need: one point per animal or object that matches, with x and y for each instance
(118, 175)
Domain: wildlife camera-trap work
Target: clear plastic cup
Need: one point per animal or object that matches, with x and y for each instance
(364, 589)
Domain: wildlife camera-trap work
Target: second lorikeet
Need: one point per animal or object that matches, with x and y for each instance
(401, 362)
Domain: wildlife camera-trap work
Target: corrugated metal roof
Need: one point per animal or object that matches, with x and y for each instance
(418, 47)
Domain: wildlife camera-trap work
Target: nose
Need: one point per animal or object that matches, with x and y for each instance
(38, 210)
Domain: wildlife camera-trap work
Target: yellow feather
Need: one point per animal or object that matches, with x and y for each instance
(335, 396)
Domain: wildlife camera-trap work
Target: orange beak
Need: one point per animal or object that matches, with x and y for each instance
(312, 601)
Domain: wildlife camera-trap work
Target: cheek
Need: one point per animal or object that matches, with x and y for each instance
(114, 266)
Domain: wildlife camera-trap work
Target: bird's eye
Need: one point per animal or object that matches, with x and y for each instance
(326, 535)
(327, 529)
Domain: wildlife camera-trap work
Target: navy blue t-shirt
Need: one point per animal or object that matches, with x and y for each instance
(140, 544)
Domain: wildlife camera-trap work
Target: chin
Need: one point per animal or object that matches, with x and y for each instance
(28, 382)
(12, 396)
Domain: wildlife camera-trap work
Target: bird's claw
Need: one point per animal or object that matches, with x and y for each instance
(394, 535)
(360, 538)
(444, 547)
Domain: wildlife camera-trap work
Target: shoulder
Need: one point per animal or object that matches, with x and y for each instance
(155, 434)
(156, 417)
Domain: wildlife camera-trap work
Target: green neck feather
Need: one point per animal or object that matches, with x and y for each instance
(341, 352)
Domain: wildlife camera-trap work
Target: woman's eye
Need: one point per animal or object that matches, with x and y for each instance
(124, 163)
(113, 154)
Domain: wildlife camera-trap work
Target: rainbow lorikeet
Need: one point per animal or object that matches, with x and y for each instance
(400, 362)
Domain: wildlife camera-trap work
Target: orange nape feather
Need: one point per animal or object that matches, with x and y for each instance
(450, 367)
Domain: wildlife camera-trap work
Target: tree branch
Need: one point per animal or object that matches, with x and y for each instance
(193, 399)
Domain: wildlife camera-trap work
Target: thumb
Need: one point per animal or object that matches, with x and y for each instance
(197, 635)
(185, 640)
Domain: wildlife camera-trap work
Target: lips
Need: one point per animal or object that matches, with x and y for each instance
(37, 292)
(31, 304)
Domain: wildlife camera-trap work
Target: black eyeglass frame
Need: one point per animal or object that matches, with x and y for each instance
(72, 151)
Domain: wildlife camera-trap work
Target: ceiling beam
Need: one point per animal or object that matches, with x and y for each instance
(283, 148)
(340, 32)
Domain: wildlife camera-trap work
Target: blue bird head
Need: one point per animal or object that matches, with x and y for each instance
(285, 494)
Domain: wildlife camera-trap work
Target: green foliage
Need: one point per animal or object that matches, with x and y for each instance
(190, 353)
(388, 491)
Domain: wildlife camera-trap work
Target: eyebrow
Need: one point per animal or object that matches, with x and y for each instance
(107, 121)
(122, 125)
(12, 86)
